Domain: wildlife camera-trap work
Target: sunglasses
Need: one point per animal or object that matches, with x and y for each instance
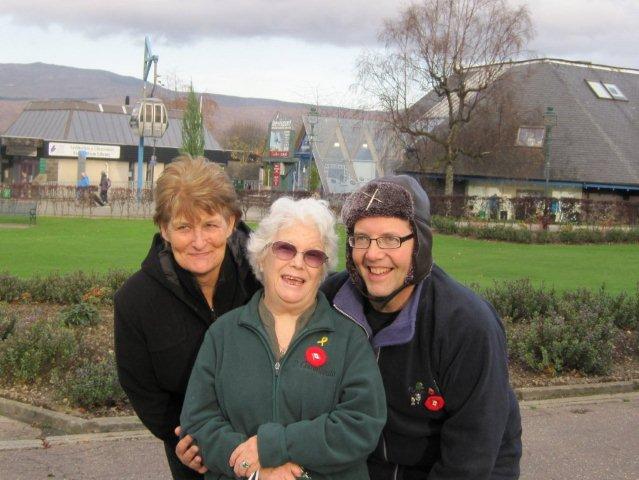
(287, 251)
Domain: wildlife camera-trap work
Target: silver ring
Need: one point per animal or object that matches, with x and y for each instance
(245, 464)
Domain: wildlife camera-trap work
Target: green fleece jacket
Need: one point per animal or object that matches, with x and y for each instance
(324, 412)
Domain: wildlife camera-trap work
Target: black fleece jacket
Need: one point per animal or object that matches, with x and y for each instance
(449, 343)
(160, 320)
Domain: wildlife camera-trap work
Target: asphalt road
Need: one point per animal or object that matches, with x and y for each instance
(593, 438)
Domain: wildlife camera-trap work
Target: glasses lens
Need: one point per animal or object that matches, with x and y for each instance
(284, 250)
(315, 258)
(359, 241)
(389, 242)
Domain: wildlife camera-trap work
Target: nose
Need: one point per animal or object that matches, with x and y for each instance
(373, 252)
(298, 260)
(198, 238)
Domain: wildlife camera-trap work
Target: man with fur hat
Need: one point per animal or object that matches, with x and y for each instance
(441, 349)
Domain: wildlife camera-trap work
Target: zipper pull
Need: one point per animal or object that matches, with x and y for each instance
(277, 368)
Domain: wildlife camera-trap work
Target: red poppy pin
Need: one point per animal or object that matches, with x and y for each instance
(434, 403)
(316, 356)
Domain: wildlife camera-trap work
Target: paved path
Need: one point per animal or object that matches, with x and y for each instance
(593, 438)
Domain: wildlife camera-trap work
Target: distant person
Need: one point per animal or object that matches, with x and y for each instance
(105, 184)
(83, 186)
(195, 271)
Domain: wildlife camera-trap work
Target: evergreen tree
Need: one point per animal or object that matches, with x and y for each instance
(192, 127)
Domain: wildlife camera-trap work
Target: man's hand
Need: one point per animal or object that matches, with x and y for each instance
(187, 452)
(245, 458)
(288, 471)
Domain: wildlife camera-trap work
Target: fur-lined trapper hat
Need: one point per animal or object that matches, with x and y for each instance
(398, 196)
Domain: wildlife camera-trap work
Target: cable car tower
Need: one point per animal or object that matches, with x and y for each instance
(149, 117)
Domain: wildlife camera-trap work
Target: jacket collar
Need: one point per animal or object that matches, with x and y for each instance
(350, 302)
(320, 320)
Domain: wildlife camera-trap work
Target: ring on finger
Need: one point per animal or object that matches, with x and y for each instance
(245, 464)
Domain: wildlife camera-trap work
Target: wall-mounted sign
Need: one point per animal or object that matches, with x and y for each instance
(280, 136)
(72, 150)
(276, 174)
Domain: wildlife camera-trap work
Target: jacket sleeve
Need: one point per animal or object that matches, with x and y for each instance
(337, 439)
(136, 375)
(202, 417)
(475, 386)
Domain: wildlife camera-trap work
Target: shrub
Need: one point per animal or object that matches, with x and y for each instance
(520, 300)
(7, 323)
(80, 315)
(33, 352)
(94, 385)
(11, 288)
(575, 337)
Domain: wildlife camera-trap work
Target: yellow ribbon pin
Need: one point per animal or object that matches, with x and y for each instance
(322, 341)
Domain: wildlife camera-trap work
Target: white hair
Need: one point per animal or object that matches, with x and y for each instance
(283, 213)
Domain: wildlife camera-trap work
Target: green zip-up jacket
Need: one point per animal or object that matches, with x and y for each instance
(324, 413)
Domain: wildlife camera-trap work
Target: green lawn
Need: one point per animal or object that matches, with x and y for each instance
(70, 244)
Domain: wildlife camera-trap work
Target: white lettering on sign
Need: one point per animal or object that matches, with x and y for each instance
(57, 149)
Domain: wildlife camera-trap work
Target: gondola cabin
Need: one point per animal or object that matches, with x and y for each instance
(149, 118)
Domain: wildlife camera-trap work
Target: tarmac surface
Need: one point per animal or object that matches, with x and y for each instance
(586, 438)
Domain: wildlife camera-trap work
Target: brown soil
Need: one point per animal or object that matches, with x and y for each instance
(99, 342)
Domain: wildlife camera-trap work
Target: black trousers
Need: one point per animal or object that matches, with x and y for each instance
(178, 469)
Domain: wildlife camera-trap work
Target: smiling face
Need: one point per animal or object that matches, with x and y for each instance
(290, 286)
(198, 245)
(384, 270)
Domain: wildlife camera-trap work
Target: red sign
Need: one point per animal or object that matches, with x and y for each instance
(276, 174)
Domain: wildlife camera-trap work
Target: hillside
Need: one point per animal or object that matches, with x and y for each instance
(20, 83)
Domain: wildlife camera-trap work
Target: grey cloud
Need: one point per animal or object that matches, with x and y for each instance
(337, 22)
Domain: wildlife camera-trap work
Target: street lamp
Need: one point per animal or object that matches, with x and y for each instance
(550, 121)
(313, 118)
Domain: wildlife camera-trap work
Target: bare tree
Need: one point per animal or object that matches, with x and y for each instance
(440, 56)
(244, 139)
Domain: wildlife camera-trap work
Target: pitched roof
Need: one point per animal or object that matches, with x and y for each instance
(83, 122)
(596, 140)
(344, 144)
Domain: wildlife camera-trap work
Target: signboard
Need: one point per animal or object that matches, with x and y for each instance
(57, 149)
(280, 137)
(276, 174)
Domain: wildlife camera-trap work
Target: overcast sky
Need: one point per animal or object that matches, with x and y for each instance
(303, 51)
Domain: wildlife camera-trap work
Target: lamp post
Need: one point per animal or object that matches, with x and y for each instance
(313, 118)
(550, 121)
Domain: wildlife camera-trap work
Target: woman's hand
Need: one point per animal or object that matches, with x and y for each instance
(187, 452)
(245, 458)
(288, 471)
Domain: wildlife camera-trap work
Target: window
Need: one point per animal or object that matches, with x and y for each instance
(614, 91)
(609, 91)
(531, 137)
(599, 89)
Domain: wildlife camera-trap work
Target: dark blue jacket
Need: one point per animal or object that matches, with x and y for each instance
(446, 343)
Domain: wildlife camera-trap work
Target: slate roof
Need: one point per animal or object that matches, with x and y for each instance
(595, 141)
(339, 142)
(83, 122)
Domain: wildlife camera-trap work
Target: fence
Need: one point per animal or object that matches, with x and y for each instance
(60, 199)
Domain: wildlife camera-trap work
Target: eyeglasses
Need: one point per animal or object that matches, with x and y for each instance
(287, 251)
(386, 242)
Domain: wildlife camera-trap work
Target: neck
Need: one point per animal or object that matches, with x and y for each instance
(396, 303)
(286, 312)
(207, 284)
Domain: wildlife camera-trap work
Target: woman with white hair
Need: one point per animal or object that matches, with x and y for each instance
(285, 386)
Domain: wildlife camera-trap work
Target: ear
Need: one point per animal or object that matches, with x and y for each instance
(164, 232)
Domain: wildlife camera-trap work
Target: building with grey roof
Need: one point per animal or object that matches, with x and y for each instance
(45, 140)
(593, 149)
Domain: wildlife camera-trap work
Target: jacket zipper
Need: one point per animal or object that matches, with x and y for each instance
(352, 320)
(277, 365)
